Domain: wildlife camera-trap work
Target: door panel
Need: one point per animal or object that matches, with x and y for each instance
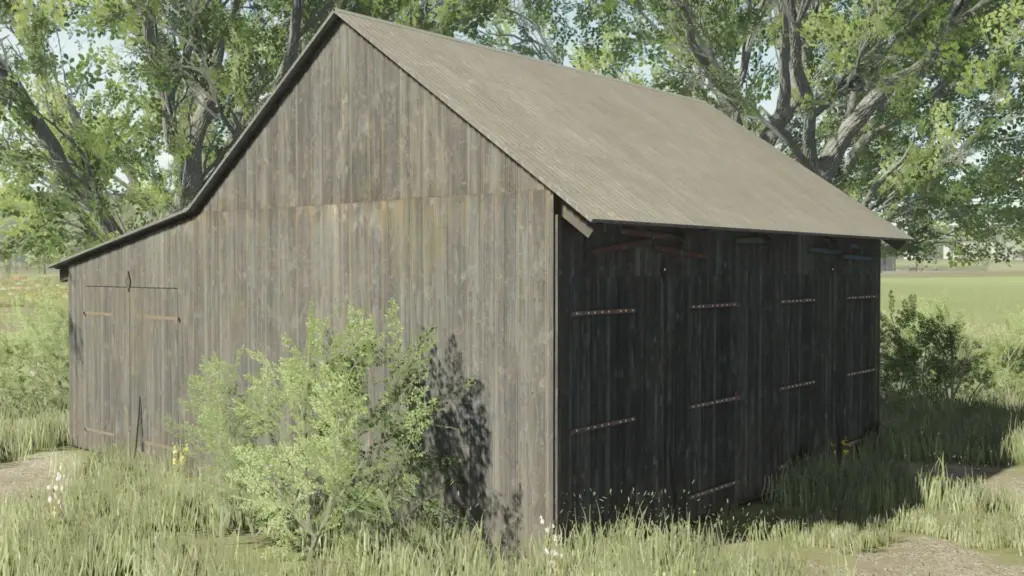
(603, 419)
(103, 392)
(155, 376)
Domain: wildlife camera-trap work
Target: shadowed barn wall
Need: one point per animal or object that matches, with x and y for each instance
(699, 362)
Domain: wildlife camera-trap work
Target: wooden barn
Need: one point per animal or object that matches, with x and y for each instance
(649, 297)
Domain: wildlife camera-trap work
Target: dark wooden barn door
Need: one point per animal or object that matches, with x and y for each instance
(155, 364)
(855, 347)
(603, 411)
(711, 391)
(802, 377)
(102, 402)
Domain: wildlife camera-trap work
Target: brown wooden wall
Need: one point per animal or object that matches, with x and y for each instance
(361, 188)
(694, 378)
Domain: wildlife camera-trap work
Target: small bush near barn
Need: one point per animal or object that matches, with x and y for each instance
(302, 450)
(930, 355)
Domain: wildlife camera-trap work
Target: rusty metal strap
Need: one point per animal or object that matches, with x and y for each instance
(609, 312)
(716, 402)
(860, 372)
(714, 306)
(88, 313)
(603, 425)
(864, 297)
(798, 385)
(712, 490)
(100, 432)
(798, 301)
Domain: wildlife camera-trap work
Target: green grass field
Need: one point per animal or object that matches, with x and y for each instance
(982, 299)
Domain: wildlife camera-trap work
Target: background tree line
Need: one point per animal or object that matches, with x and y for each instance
(113, 112)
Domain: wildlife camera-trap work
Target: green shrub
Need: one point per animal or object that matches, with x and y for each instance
(1005, 343)
(302, 450)
(926, 353)
(34, 357)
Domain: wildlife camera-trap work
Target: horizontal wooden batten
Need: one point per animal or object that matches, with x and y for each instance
(715, 306)
(165, 318)
(147, 444)
(864, 297)
(100, 314)
(603, 425)
(608, 312)
(712, 490)
(798, 385)
(100, 432)
(798, 301)
(860, 372)
(716, 402)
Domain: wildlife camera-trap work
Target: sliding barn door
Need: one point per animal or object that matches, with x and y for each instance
(603, 424)
(100, 400)
(155, 379)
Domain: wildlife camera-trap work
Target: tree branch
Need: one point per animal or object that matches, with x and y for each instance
(294, 41)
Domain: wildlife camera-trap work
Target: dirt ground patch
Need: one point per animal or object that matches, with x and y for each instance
(35, 472)
(921, 556)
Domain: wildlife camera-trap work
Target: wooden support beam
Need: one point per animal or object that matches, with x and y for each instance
(578, 222)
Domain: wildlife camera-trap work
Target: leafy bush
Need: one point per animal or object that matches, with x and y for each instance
(926, 353)
(302, 450)
(1006, 343)
(34, 357)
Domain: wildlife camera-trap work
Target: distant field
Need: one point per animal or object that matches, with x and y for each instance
(982, 298)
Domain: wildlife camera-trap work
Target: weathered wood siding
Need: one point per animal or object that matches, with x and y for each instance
(693, 379)
(362, 188)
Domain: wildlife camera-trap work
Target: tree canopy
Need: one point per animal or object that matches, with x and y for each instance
(913, 107)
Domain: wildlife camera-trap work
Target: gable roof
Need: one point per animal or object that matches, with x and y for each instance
(613, 151)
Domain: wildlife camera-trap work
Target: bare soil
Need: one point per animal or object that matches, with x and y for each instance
(35, 472)
(922, 556)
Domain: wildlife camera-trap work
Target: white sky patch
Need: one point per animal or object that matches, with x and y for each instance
(164, 160)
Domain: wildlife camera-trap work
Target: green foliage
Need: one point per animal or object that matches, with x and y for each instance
(926, 353)
(914, 108)
(21, 436)
(302, 450)
(33, 354)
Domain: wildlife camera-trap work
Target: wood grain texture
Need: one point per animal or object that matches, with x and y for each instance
(361, 189)
(732, 364)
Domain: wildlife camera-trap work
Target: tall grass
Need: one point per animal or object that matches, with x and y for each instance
(21, 436)
(34, 391)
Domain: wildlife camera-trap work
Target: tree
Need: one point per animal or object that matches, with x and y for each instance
(64, 180)
(209, 65)
(912, 106)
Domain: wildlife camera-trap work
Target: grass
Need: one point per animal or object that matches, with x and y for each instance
(24, 435)
(983, 300)
(136, 516)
